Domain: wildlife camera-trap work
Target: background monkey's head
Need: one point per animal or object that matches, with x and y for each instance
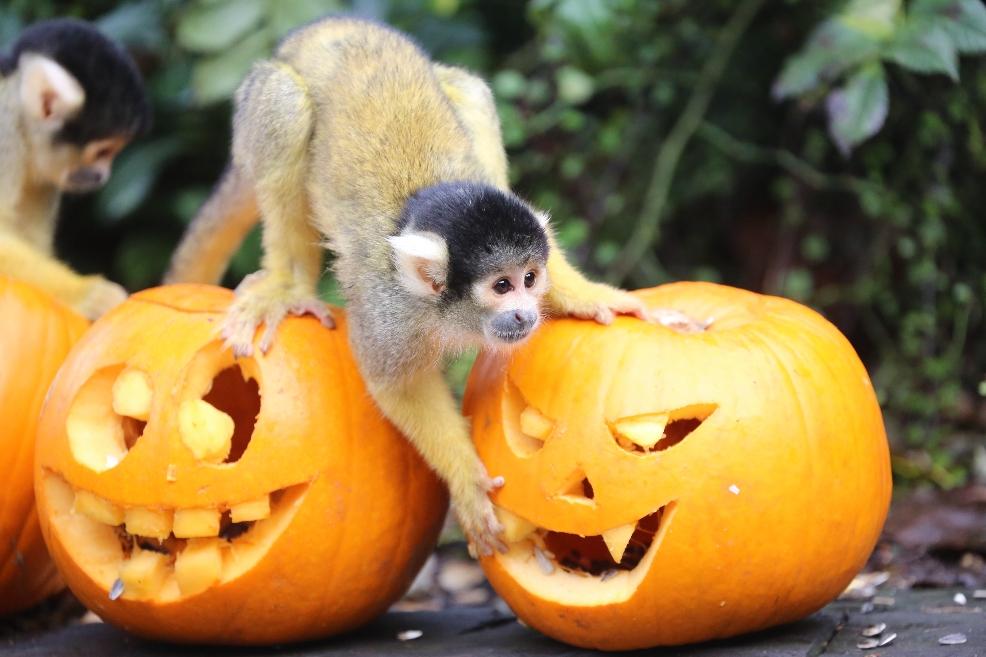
(477, 255)
(81, 101)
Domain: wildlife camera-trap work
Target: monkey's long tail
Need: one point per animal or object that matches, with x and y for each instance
(216, 232)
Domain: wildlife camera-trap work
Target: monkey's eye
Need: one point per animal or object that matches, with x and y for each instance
(529, 279)
(502, 286)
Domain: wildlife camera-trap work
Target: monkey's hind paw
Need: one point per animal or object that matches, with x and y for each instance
(261, 302)
(479, 521)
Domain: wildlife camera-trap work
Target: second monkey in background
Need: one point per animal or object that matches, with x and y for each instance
(351, 137)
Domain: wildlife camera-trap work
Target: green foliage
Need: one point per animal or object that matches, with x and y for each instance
(838, 158)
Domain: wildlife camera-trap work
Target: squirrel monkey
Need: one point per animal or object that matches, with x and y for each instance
(351, 138)
(70, 100)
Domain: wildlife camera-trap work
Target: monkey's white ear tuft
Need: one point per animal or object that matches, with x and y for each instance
(542, 217)
(48, 92)
(422, 261)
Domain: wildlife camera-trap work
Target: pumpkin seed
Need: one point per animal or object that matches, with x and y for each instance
(409, 635)
(956, 639)
(887, 640)
(544, 563)
(117, 589)
(609, 574)
(868, 644)
(874, 630)
(979, 594)
(960, 599)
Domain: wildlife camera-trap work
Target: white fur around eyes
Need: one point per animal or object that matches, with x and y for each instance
(43, 79)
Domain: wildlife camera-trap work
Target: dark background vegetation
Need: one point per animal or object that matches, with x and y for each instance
(832, 152)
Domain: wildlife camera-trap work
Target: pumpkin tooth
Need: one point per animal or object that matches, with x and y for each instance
(143, 574)
(643, 430)
(132, 394)
(252, 510)
(198, 566)
(205, 430)
(196, 523)
(144, 521)
(515, 528)
(97, 508)
(533, 424)
(617, 539)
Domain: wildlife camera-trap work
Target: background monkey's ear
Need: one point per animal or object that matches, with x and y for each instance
(48, 92)
(422, 262)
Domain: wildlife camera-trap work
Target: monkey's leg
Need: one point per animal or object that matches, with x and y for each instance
(424, 410)
(271, 132)
(216, 232)
(89, 295)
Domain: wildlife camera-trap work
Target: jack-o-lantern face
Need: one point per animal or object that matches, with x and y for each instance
(664, 487)
(174, 479)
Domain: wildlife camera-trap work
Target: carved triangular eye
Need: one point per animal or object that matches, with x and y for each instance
(656, 432)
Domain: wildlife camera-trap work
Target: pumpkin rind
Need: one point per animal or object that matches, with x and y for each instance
(36, 333)
(354, 514)
(772, 502)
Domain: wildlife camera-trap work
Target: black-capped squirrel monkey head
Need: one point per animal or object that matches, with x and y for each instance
(81, 101)
(478, 257)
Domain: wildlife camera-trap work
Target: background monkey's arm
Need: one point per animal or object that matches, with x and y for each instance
(89, 295)
(423, 408)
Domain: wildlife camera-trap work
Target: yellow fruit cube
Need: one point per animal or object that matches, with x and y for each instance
(199, 565)
(205, 430)
(533, 424)
(132, 394)
(143, 574)
(196, 523)
(515, 528)
(252, 510)
(97, 508)
(153, 523)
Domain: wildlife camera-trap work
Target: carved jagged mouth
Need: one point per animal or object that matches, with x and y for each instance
(583, 570)
(165, 553)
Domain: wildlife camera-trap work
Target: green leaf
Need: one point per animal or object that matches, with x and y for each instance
(574, 86)
(215, 26)
(133, 176)
(138, 24)
(216, 78)
(963, 20)
(924, 47)
(286, 15)
(874, 18)
(857, 110)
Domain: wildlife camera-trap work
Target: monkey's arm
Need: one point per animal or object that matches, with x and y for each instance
(216, 232)
(423, 408)
(90, 295)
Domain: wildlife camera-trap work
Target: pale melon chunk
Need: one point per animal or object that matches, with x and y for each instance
(97, 508)
(196, 523)
(153, 523)
(144, 573)
(252, 510)
(132, 394)
(198, 566)
(515, 528)
(533, 424)
(643, 430)
(617, 539)
(205, 430)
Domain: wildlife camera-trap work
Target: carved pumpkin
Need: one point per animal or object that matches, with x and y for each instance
(35, 334)
(193, 497)
(665, 488)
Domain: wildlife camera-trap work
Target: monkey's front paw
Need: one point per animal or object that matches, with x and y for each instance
(263, 300)
(601, 303)
(479, 521)
(100, 296)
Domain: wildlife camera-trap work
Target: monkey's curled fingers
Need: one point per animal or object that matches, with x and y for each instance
(601, 303)
(261, 299)
(478, 519)
(101, 296)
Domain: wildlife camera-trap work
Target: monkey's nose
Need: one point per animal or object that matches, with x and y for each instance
(525, 320)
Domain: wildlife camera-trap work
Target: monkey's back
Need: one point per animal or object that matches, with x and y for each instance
(383, 126)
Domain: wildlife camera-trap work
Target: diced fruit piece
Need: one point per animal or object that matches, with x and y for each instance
(132, 394)
(153, 523)
(643, 430)
(617, 539)
(196, 523)
(199, 565)
(252, 510)
(515, 528)
(143, 574)
(533, 424)
(97, 508)
(205, 430)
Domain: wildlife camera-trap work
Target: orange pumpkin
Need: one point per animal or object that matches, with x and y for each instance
(36, 332)
(665, 488)
(193, 497)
